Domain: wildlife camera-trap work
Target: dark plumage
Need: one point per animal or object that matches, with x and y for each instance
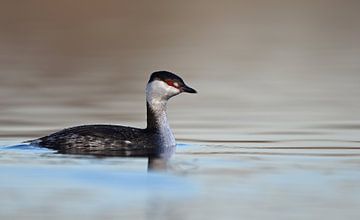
(101, 140)
(112, 140)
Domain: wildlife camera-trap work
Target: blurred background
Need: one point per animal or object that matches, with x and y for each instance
(273, 132)
(72, 62)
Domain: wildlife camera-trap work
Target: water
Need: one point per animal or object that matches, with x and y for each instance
(273, 132)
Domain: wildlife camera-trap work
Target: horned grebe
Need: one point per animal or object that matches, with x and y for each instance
(156, 139)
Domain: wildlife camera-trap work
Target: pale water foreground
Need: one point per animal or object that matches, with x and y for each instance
(204, 182)
(274, 132)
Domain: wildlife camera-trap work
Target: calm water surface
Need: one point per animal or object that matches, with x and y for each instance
(274, 132)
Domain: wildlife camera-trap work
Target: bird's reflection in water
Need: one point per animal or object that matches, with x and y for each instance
(159, 161)
(158, 164)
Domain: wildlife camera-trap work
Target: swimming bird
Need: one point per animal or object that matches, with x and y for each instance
(156, 139)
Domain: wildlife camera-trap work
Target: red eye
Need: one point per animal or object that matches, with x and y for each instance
(172, 83)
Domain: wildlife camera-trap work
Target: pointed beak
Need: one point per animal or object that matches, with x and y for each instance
(188, 89)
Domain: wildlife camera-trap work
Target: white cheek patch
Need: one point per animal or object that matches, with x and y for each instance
(158, 90)
(172, 90)
(169, 90)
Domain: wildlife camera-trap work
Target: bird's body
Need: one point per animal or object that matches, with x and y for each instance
(156, 139)
(101, 140)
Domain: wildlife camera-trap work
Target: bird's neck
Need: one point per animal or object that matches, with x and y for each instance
(156, 114)
(157, 121)
(158, 125)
